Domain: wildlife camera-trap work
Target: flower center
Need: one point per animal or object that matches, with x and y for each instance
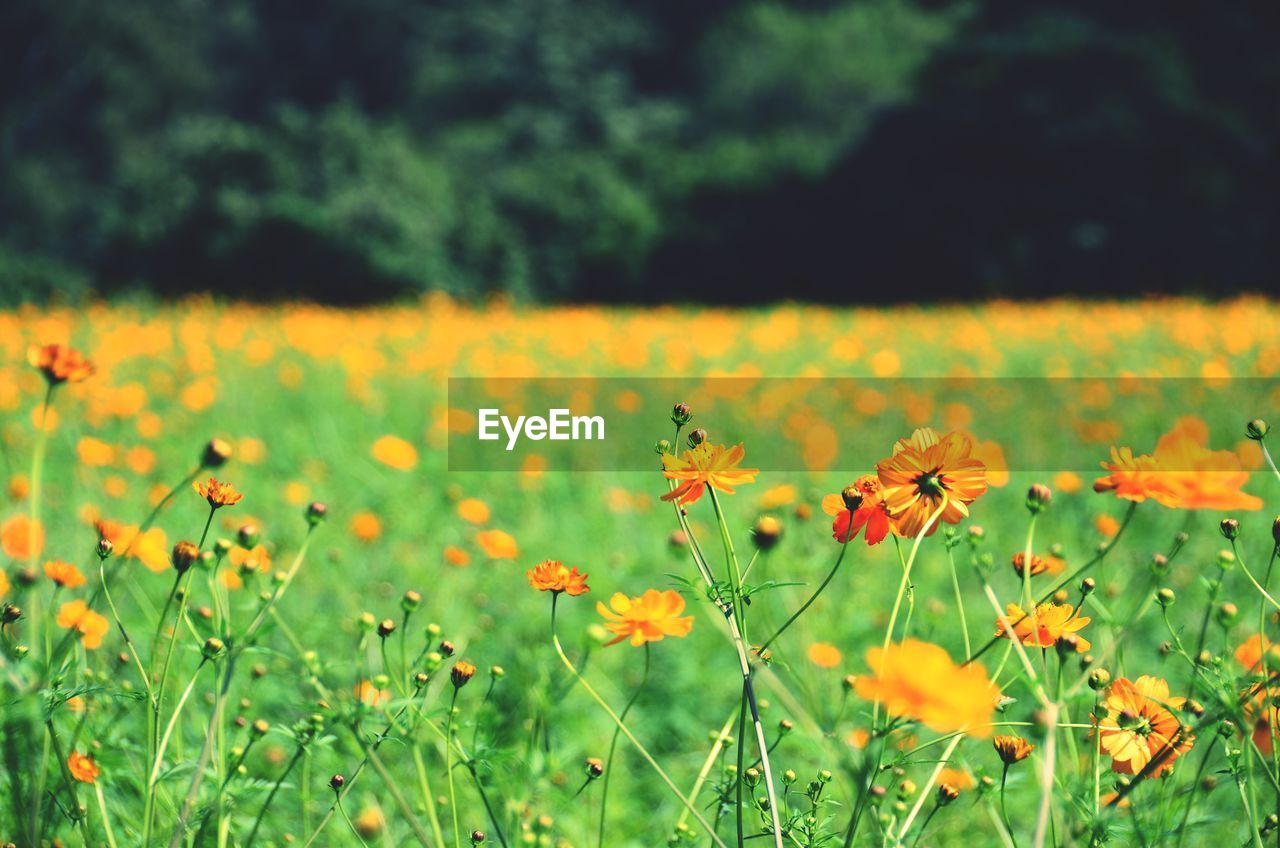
(930, 484)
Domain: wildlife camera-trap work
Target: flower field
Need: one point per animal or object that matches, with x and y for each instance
(1000, 574)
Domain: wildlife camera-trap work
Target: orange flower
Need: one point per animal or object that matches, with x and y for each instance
(1265, 718)
(217, 493)
(395, 452)
(1012, 749)
(824, 655)
(1182, 474)
(918, 680)
(59, 363)
(928, 473)
(1039, 564)
(64, 574)
(473, 510)
(648, 618)
(860, 505)
(497, 544)
(82, 767)
(706, 465)
(4, 583)
(1139, 726)
(20, 539)
(1050, 623)
(369, 695)
(1251, 650)
(456, 556)
(366, 526)
(553, 576)
(257, 558)
(76, 615)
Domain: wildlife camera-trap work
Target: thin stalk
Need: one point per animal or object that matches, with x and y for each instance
(613, 744)
(448, 769)
(648, 758)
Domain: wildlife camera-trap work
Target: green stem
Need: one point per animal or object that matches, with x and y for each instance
(613, 744)
(644, 753)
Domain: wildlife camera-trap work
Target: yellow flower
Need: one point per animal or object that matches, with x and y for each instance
(918, 680)
(706, 465)
(1139, 726)
(928, 473)
(82, 767)
(59, 363)
(395, 452)
(1051, 623)
(218, 493)
(553, 576)
(648, 618)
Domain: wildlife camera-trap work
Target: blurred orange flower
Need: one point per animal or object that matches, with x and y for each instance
(824, 655)
(497, 544)
(82, 767)
(76, 615)
(366, 526)
(1139, 725)
(918, 680)
(64, 574)
(395, 452)
(648, 618)
(928, 473)
(1182, 474)
(456, 556)
(368, 694)
(59, 363)
(553, 576)
(706, 465)
(473, 510)
(1249, 653)
(20, 539)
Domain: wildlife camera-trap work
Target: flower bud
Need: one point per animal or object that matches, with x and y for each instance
(1275, 531)
(411, 601)
(461, 673)
(662, 447)
(260, 728)
(1165, 597)
(680, 414)
(212, 648)
(366, 622)
(1226, 560)
(595, 768)
(184, 556)
(447, 648)
(1227, 614)
(386, 627)
(751, 776)
(222, 547)
(497, 671)
(1099, 679)
(316, 512)
(10, 613)
(1087, 586)
(248, 535)
(1230, 529)
(946, 794)
(767, 532)
(1038, 498)
(421, 679)
(477, 837)
(852, 497)
(336, 782)
(215, 454)
(1256, 429)
(697, 437)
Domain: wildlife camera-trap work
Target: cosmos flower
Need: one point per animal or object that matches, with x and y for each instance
(919, 681)
(218, 493)
(76, 615)
(64, 574)
(860, 505)
(1138, 726)
(1050, 624)
(648, 618)
(59, 363)
(554, 576)
(928, 473)
(82, 767)
(706, 465)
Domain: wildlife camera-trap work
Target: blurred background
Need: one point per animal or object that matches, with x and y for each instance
(611, 151)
